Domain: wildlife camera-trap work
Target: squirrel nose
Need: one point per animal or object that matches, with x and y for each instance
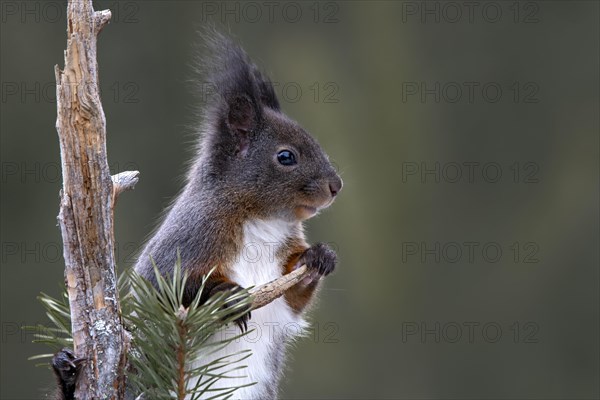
(335, 186)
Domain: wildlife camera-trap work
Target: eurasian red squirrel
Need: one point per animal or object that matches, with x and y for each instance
(256, 177)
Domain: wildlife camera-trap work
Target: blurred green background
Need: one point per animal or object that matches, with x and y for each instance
(467, 137)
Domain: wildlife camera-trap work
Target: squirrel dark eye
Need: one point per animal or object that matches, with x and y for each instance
(286, 157)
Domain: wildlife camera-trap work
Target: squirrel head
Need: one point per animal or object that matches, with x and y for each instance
(252, 157)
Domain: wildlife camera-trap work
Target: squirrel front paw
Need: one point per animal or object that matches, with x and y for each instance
(320, 259)
(66, 368)
(242, 321)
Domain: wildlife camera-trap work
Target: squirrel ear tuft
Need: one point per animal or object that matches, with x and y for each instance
(242, 91)
(242, 118)
(265, 90)
(242, 114)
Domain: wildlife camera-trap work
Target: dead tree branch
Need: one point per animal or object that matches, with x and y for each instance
(124, 181)
(86, 210)
(264, 294)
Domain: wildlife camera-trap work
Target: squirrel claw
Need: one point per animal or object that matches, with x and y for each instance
(242, 322)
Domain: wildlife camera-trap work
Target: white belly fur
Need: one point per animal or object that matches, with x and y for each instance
(271, 326)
